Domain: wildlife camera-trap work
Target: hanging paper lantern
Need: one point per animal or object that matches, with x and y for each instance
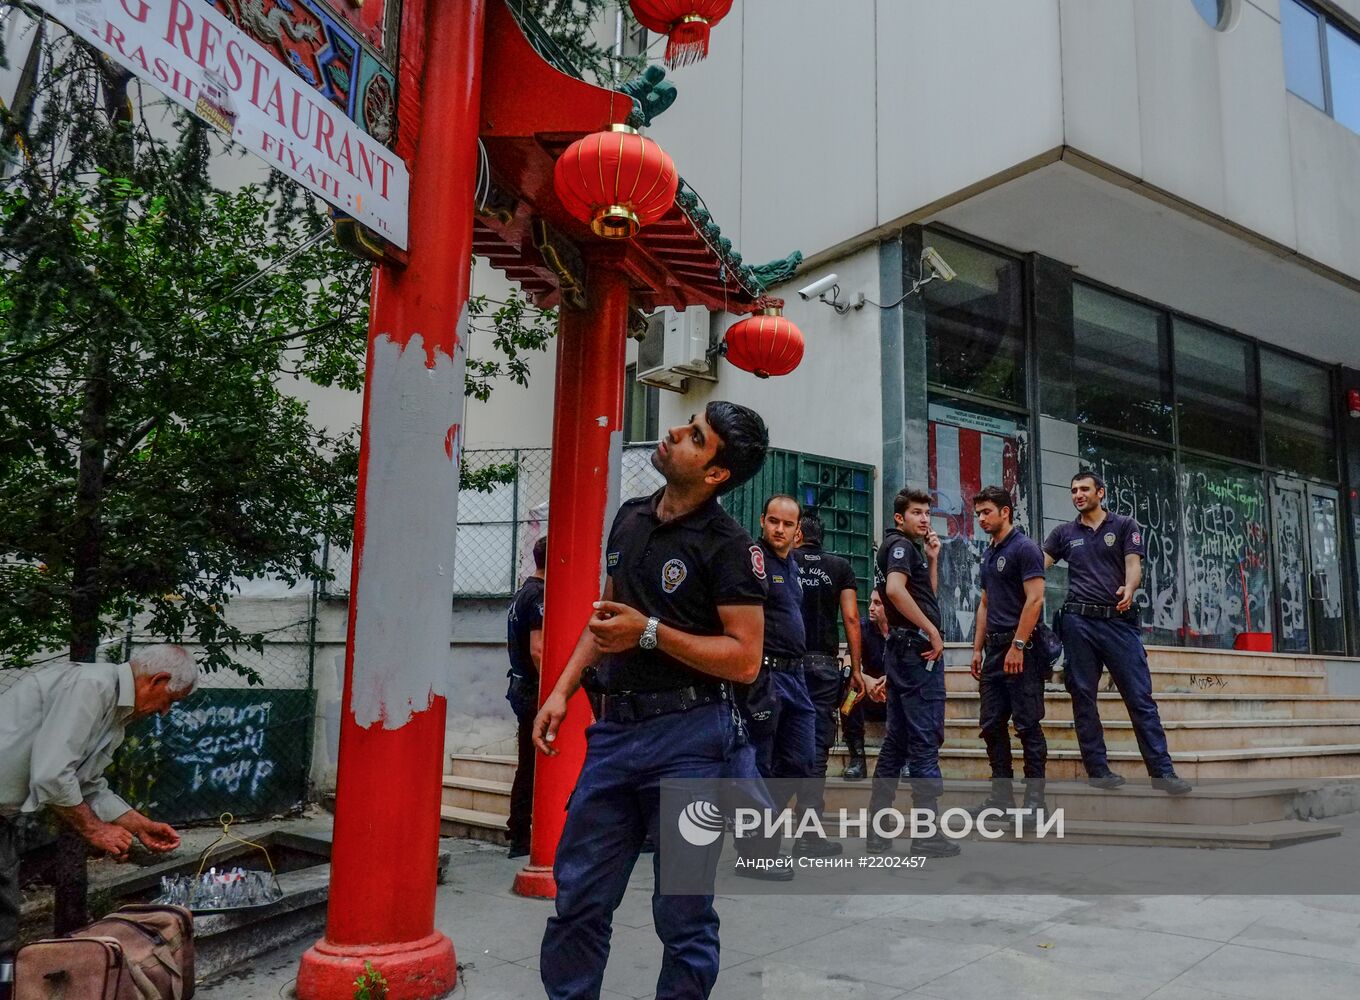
(615, 181)
(765, 345)
(686, 22)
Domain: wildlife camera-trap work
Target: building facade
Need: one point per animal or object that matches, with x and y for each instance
(1153, 212)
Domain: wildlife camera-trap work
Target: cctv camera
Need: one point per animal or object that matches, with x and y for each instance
(932, 259)
(818, 287)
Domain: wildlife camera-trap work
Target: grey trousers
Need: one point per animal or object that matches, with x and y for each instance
(9, 890)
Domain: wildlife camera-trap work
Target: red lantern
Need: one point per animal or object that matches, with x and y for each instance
(765, 345)
(616, 182)
(686, 22)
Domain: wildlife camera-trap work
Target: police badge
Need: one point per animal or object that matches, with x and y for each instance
(672, 575)
(1109, 538)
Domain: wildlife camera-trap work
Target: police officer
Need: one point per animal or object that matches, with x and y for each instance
(524, 643)
(1099, 628)
(681, 619)
(828, 583)
(873, 637)
(908, 573)
(1008, 667)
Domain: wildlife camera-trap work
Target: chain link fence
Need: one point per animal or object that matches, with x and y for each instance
(497, 526)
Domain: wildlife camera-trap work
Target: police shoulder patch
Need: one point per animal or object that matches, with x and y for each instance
(757, 562)
(672, 575)
(613, 559)
(1137, 538)
(899, 552)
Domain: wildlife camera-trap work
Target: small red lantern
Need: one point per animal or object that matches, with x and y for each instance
(1353, 403)
(616, 182)
(765, 345)
(686, 22)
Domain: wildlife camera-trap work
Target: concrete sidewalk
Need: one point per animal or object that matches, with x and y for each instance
(876, 947)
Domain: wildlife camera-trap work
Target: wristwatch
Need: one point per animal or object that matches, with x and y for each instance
(648, 638)
(1020, 644)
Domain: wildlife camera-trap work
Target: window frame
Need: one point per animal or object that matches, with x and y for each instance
(1325, 17)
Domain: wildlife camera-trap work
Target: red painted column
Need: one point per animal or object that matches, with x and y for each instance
(384, 854)
(587, 443)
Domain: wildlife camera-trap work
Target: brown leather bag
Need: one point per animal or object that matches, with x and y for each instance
(149, 956)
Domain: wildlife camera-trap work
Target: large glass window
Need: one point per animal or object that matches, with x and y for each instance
(1216, 392)
(1297, 401)
(975, 324)
(1343, 67)
(1227, 554)
(1140, 483)
(970, 448)
(1302, 53)
(641, 408)
(1120, 364)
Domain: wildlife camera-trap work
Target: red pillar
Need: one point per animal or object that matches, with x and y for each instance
(384, 854)
(587, 442)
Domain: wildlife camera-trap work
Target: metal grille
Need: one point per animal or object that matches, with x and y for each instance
(497, 526)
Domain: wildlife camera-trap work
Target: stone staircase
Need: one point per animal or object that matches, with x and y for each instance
(1259, 734)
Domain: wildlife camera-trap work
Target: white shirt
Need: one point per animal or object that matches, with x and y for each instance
(59, 727)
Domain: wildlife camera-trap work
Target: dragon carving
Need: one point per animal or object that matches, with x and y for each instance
(271, 26)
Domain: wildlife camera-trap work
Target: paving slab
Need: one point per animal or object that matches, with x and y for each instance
(1258, 974)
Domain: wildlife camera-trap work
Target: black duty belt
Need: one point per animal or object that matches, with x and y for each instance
(909, 634)
(1095, 610)
(994, 639)
(782, 664)
(821, 660)
(635, 706)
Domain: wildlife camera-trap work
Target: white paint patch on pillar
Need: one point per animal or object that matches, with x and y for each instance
(404, 593)
(613, 479)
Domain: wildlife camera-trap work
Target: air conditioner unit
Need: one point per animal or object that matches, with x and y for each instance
(676, 349)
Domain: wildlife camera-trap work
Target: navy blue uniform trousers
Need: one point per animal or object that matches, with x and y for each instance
(786, 745)
(915, 730)
(1005, 697)
(1116, 645)
(614, 807)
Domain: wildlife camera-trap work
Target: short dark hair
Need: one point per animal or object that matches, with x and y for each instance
(909, 495)
(744, 441)
(811, 527)
(781, 496)
(1001, 498)
(541, 552)
(1088, 474)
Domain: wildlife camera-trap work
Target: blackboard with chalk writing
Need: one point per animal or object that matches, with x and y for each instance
(243, 751)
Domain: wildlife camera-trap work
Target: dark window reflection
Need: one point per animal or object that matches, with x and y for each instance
(975, 323)
(1121, 366)
(1297, 399)
(1216, 392)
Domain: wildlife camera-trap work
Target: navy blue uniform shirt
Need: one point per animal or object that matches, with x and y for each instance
(871, 646)
(1005, 568)
(824, 577)
(526, 615)
(681, 572)
(784, 635)
(898, 554)
(1095, 556)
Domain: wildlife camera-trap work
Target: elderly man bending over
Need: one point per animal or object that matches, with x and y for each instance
(59, 727)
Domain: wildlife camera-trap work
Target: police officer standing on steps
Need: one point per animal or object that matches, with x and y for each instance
(1007, 665)
(828, 590)
(873, 637)
(680, 621)
(908, 572)
(524, 642)
(1099, 628)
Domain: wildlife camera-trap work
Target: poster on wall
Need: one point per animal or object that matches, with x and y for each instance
(967, 451)
(1227, 555)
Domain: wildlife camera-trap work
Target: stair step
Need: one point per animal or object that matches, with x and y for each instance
(1254, 763)
(477, 794)
(472, 824)
(1198, 734)
(1216, 803)
(1253, 836)
(1181, 706)
(1182, 680)
(488, 766)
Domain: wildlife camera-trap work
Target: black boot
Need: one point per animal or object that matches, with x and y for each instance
(1106, 779)
(1002, 796)
(1034, 804)
(814, 846)
(874, 844)
(938, 846)
(857, 769)
(1171, 783)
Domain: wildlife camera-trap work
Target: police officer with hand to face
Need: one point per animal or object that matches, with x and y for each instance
(1099, 629)
(1007, 665)
(524, 643)
(680, 621)
(873, 638)
(908, 573)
